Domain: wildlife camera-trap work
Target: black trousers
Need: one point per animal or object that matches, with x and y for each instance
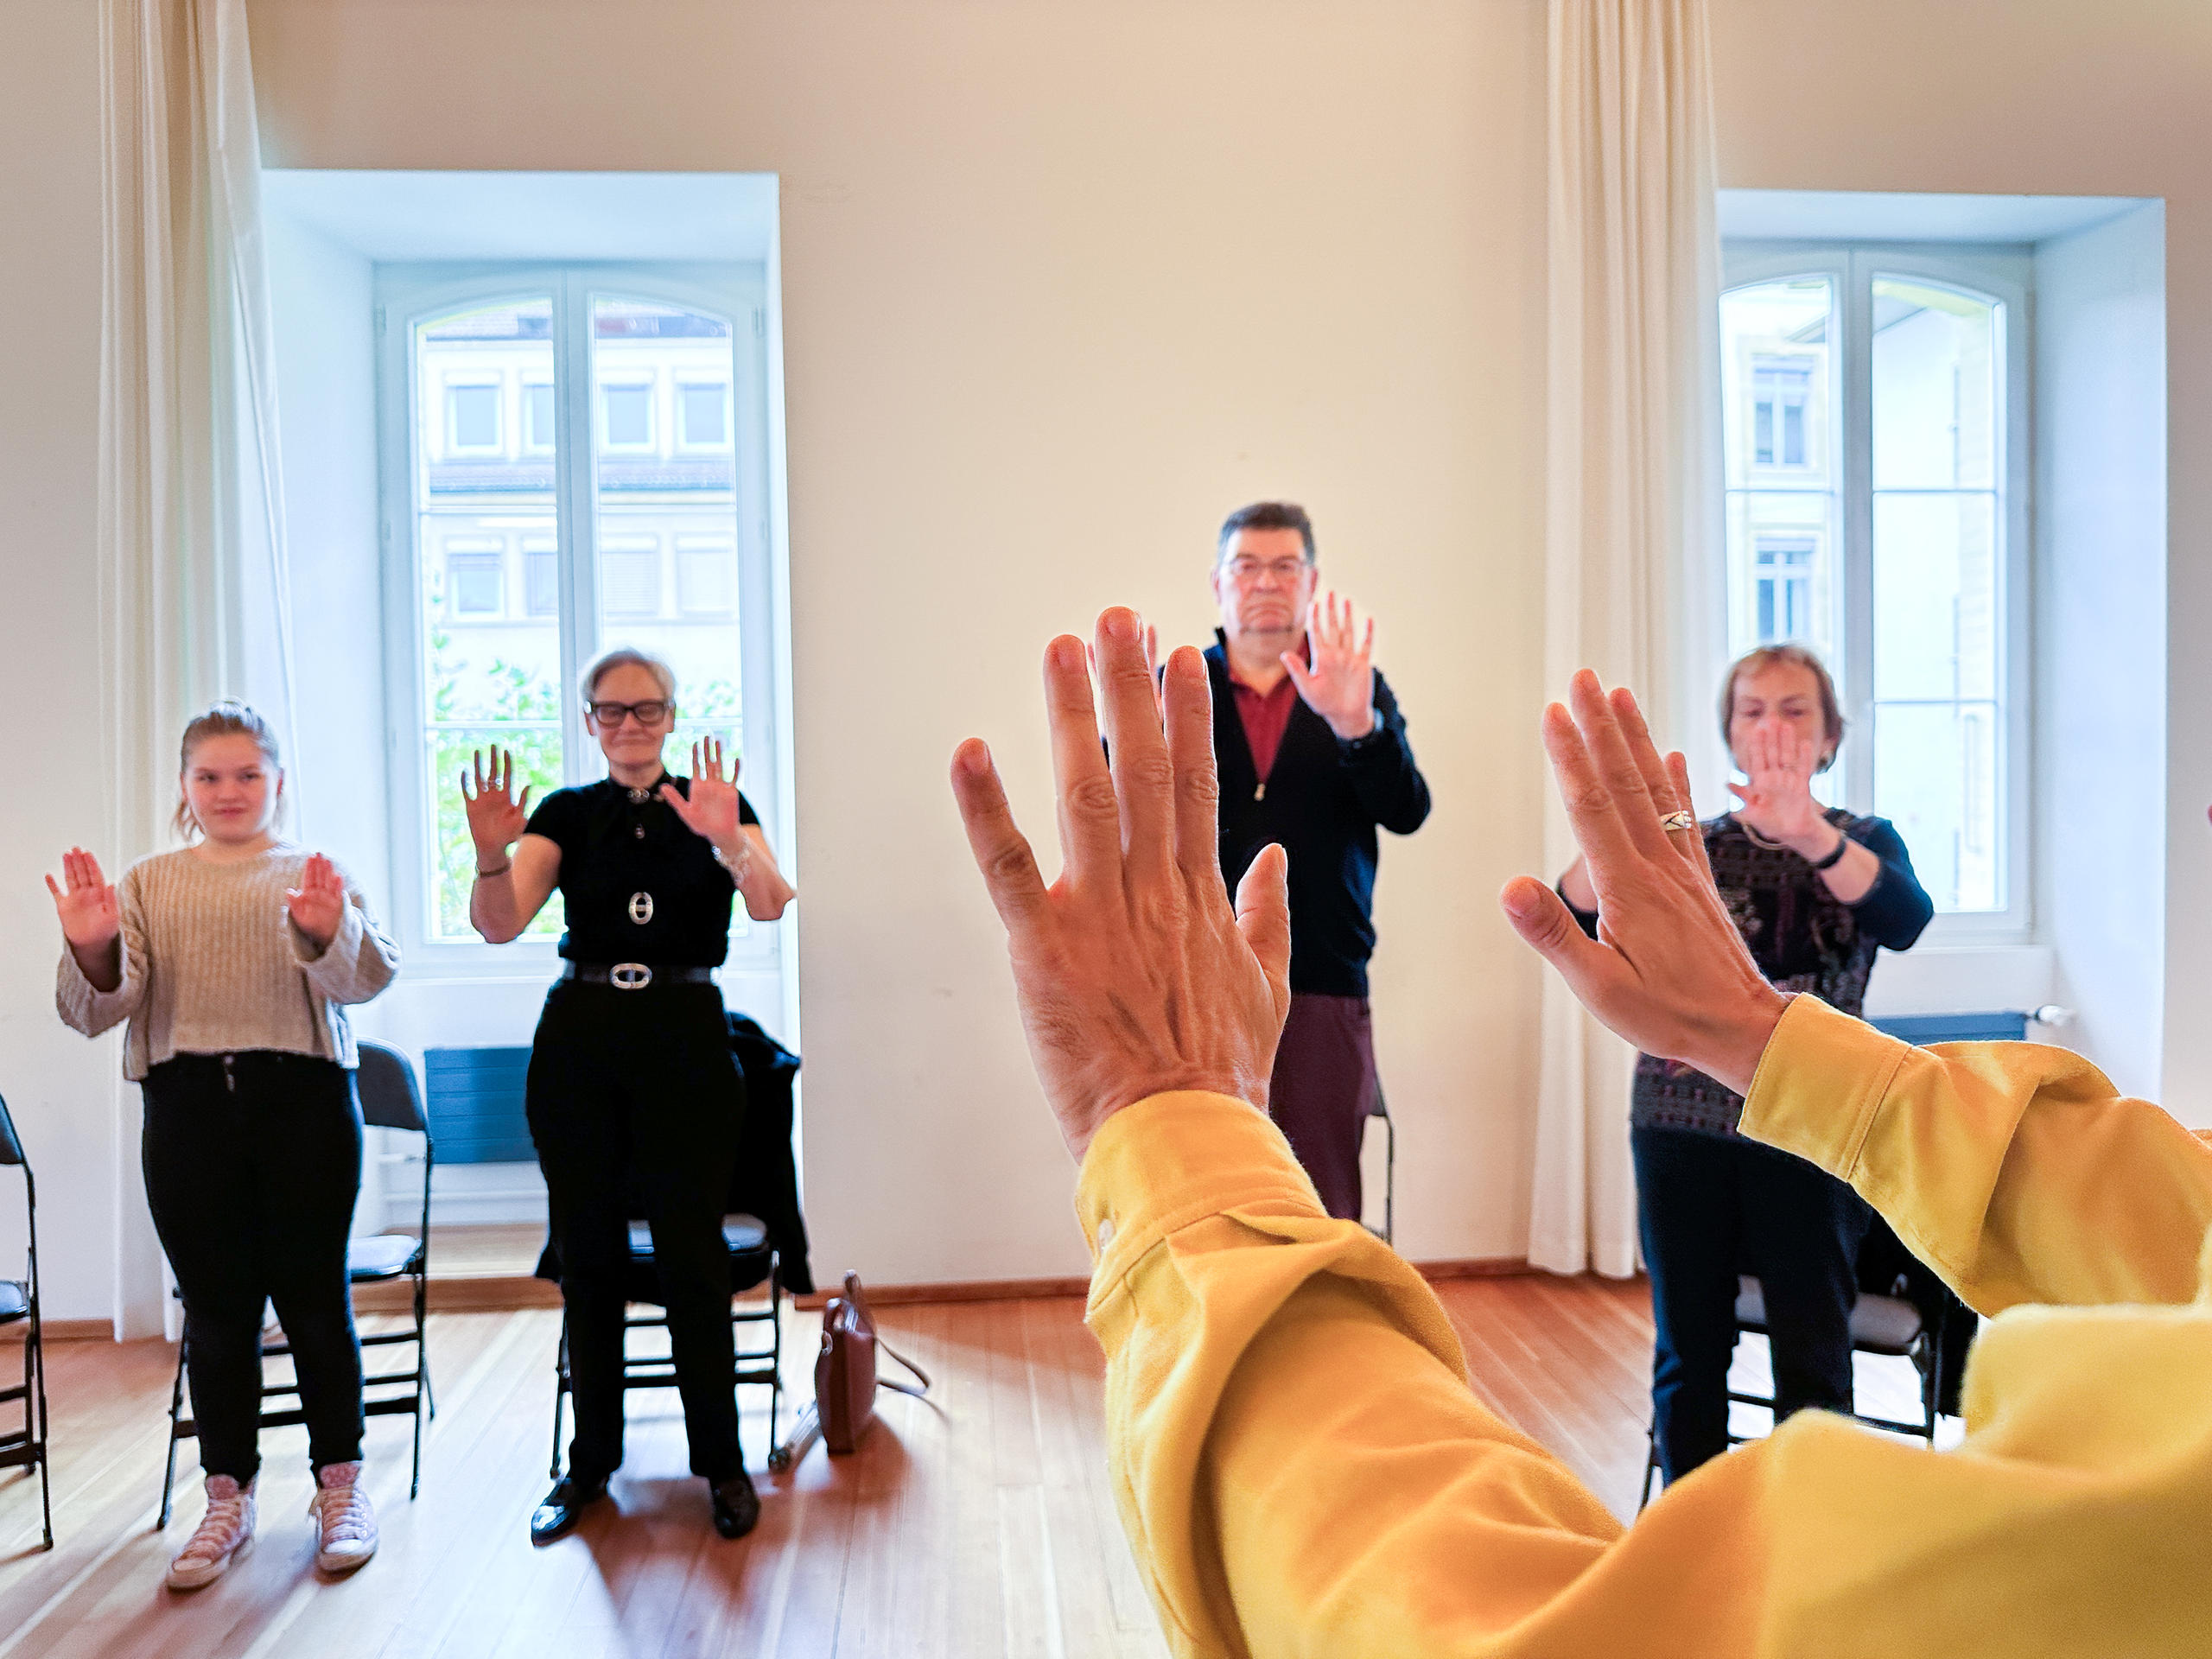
(1712, 1207)
(253, 1163)
(635, 1102)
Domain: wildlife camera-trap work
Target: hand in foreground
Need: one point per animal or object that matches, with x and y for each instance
(711, 811)
(1668, 971)
(1133, 975)
(495, 817)
(1777, 801)
(1338, 683)
(318, 903)
(91, 917)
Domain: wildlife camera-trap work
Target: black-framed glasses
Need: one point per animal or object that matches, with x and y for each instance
(651, 712)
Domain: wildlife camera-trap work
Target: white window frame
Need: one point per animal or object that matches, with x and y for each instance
(2003, 273)
(409, 294)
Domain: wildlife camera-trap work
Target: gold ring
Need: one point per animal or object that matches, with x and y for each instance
(1673, 821)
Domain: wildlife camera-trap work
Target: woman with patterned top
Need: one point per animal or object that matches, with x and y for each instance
(233, 959)
(1815, 892)
(632, 1079)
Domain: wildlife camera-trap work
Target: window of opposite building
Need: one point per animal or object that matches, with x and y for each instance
(1875, 440)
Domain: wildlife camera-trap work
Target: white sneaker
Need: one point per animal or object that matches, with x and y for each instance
(224, 1535)
(341, 1510)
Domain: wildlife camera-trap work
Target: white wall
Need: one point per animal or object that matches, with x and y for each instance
(2100, 653)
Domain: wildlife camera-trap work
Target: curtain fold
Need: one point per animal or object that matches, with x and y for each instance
(1633, 491)
(194, 594)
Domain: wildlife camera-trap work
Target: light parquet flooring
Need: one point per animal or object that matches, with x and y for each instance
(977, 1524)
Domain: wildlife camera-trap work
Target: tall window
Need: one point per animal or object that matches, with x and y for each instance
(574, 459)
(1874, 424)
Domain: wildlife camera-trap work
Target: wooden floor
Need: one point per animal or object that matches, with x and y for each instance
(975, 1524)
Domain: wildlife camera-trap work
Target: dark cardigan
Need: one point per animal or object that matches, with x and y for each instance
(1322, 800)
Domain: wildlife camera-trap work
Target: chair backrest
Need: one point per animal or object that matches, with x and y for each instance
(390, 1097)
(11, 1148)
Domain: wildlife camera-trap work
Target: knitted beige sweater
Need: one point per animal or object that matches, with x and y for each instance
(213, 964)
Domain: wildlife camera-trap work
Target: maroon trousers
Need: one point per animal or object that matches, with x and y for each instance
(1324, 1089)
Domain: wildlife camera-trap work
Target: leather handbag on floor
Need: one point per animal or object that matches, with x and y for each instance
(845, 1379)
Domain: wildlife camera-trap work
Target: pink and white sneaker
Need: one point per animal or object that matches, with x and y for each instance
(347, 1523)
(224, 1533)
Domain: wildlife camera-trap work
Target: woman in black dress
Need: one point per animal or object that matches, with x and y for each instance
(1815, 892)
(631, 1075)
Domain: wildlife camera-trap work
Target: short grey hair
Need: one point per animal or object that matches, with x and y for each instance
(628, 657)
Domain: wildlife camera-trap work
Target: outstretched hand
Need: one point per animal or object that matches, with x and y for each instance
(496, 818)
(711, 811)
(1337, 679)
(1668, 971)
(318, 903)
(1134, 973)
(1776, 799)
(91, 917)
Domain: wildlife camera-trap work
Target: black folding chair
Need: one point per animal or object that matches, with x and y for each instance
(753, 1261)
(21, 1448)
(390, 1099)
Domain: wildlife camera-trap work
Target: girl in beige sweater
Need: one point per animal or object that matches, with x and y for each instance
(232, 960)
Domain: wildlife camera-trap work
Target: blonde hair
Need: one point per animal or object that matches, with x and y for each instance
(1765, 656)
(628, 657)
(228, 718)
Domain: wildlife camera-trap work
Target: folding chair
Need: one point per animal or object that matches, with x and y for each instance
(23, 1448)
(1909, 1320)
(752, 1260)
(390, 1099)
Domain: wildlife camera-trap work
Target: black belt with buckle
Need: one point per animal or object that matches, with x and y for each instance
(633, 975)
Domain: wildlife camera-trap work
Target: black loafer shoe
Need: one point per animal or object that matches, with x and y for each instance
(737, 1506)
(563, 1507)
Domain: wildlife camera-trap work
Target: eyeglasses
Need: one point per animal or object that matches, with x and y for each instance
(611, 714)
(1249, 573)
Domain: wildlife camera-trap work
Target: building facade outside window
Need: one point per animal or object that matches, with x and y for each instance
(1875, 445)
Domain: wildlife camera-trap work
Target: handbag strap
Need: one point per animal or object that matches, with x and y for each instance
(883, 1381)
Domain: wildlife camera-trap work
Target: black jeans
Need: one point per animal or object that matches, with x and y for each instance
(1712, 1207)
(635, 1102)
(253, 1162)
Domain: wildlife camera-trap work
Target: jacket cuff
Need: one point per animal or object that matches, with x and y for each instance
(1820, 1084)
(1175, 1158)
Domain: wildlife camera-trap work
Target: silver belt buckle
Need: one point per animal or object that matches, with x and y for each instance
(629, 975)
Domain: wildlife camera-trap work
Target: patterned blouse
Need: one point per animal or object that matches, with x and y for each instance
(1803, 937)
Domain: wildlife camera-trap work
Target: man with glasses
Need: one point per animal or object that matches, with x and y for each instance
(1312, 755)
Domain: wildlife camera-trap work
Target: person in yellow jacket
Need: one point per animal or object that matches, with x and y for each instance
(1299, 1462)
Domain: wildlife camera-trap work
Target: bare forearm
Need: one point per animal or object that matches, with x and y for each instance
(492, 909)
(101, 964)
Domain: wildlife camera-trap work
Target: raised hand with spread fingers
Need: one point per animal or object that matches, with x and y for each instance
(496, 815)
(711, 810)
(90, 917)
(1134, 974)
(1338, 680)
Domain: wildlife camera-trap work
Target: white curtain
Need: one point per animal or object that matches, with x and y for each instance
(195, 594)
(1631, 539)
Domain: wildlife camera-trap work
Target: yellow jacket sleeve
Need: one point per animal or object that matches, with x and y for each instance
(2016, 1172)
(1302, 1470)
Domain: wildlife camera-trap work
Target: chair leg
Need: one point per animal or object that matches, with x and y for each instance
(176, 1411)
(421, 1339)
(1650, 1470)
(36, 1429)
(560, 1392)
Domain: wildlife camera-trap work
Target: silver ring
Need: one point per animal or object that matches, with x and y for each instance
(1673, 821)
